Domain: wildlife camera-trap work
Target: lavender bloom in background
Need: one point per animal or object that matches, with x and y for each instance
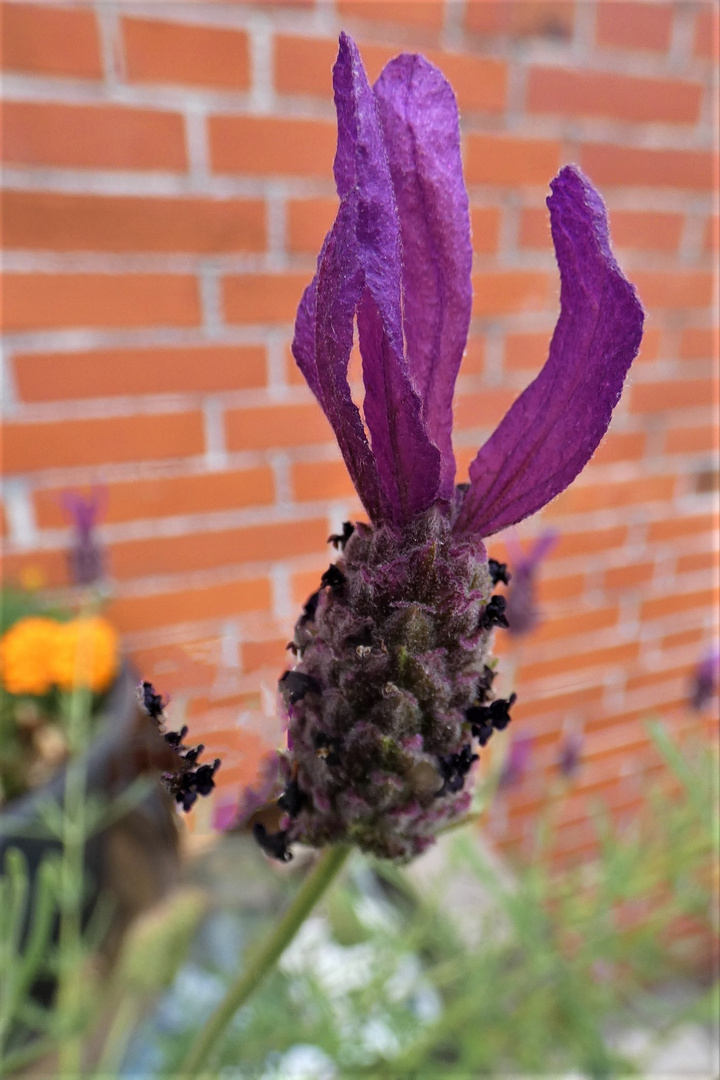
(393, 674)
(517, 762)
(705, 680)
(85, 555)
(522, 611)
(570, 754)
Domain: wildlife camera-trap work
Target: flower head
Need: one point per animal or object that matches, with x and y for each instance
(26, 655)
(393, 649)
(86, 556)
(705, 680)
(522, 611)
(86, 652)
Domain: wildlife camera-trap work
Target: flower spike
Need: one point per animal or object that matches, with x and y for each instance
(391, 692)
(552, 430)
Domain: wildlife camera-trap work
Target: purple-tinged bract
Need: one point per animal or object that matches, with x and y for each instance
(392, 690)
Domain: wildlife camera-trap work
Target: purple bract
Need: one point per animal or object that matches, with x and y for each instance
(393, 679)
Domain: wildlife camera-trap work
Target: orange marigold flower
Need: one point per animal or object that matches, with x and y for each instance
(86, 654)
(26, 655)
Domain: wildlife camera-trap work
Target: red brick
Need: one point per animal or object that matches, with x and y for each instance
(678, 289)
(55, 444)
(507, 291)
(609, 164)
(682, 638)
(504, 159)
(661, 606)
(423, 14)
(473, 362)
(44, 40)
(306, 582)
(304, 66)
(485, 409)
(673, 394)
(263, 298)
(707, 32)
(624, 24)
(265, 654)
(134, 613)
(588, 543)
(680, 528)
(270, 146)
(624, 654)
(521, 18)
(180, 665)
(34, 219)
(35, 569)
(583, 498)
(92, 136)
(47, 301)
(276, 426)
(567, 587)
(485, 222)
(309, 220)
(621, 578)
(628, 229)
(693, 439)
(711, 242)
(621, 446)
(697, 563)
(526, 352)
(209, 550)
(321, 480)
(699, 343)
(169, 52)
(612, 96)
(167, 496)
(169, 370)
(652, 339)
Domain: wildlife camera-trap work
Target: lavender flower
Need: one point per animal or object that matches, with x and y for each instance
(516, 763)
(85, 555)
(570, 754)
(522, 611)
(393, 672)
(705, 680)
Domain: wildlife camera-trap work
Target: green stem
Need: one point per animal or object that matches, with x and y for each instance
(72, 873)
(208, 1042)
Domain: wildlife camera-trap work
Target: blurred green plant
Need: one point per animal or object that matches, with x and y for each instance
(535, 969)
(533, 977)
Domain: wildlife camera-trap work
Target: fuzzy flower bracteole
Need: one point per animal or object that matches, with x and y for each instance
(391, 693)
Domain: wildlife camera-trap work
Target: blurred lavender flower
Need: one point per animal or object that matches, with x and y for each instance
(85, 555)
(705, 680)
(570, 754)
(517, 762)
(393, 671)
(522, 611)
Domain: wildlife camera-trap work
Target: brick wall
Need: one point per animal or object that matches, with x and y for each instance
(167, 186)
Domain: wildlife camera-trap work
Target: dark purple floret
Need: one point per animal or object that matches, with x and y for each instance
(274, 844)
(494, 613)
(189, 779)
(294, 685)
(339, 540)
(499, 572)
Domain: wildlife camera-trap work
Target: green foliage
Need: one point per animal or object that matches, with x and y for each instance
(532, 980)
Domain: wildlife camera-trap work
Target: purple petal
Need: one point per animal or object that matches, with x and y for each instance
(339, 285)
(419, 118)
(407, 460)
(551, 431)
